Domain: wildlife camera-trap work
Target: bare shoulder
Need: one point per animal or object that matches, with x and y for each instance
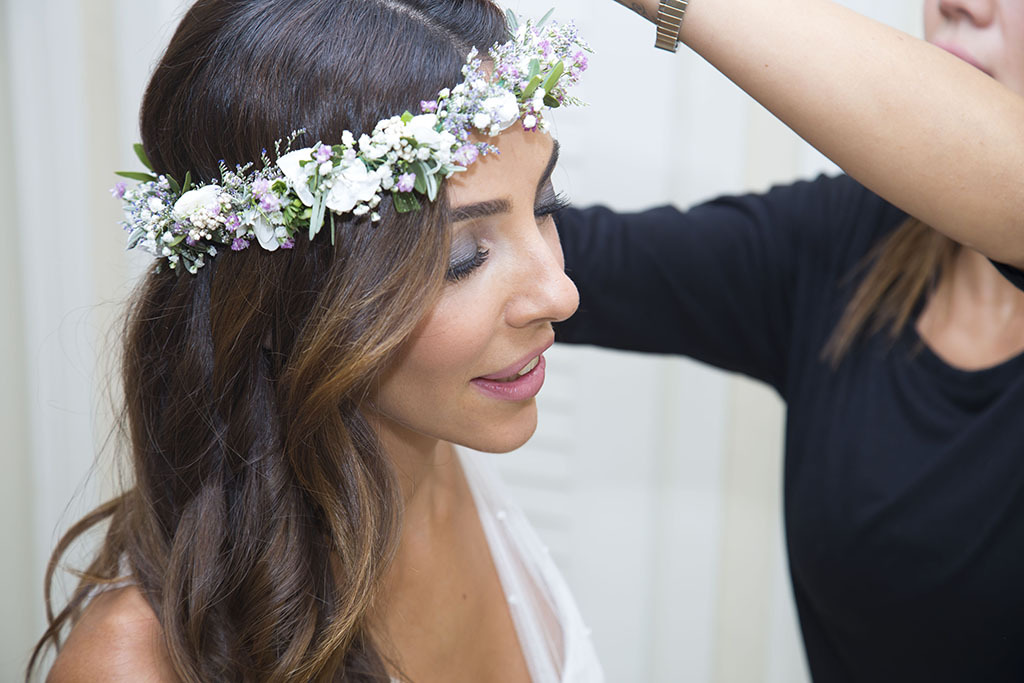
(118, 638)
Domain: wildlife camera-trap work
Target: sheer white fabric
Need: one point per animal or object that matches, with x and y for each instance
(555, 642)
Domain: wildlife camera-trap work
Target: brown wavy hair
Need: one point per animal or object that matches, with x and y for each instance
(262, 515)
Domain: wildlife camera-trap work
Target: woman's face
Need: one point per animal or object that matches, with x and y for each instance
(471, 370)
(987, 33)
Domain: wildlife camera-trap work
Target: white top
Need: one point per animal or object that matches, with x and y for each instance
(556, 643)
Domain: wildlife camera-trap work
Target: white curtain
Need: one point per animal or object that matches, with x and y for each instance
(654, 481)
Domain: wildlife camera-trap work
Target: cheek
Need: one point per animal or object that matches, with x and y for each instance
(439, 359)
(549, 231)
(932, 19)
(1015, 35)
(447, 342)
(1011, 72)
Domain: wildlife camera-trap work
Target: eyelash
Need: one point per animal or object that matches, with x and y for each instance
(554, 205)
(463, 269)
(458, 271)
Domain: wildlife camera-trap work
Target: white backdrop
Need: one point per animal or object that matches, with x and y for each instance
(655, 481)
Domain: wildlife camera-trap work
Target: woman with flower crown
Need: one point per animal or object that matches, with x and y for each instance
(329, 314)
(879, 307)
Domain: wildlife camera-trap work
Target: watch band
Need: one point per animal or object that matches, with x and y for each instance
(670, 21)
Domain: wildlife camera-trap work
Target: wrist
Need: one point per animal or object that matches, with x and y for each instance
(669, 24)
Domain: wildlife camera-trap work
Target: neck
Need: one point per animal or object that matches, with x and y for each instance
(974, 282)
(430, 477)
(427, 470)
(975, 317)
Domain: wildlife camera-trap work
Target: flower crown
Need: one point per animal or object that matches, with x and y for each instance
(405, 156)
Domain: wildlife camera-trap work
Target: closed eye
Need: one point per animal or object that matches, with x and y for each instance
(463, 268)
(553, 204)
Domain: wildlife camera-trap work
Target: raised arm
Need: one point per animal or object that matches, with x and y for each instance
(923, 129)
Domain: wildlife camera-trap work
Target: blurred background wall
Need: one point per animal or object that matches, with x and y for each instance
(655, 481)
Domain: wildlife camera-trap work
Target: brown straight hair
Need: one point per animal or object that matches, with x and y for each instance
(262, 514)
(904, 267)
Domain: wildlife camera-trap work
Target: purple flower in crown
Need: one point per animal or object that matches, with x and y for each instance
(288, 244)
(232, 223)
(117, 191)
(260, 187)
(466, 154)
(323, 154)
(406, 182)
(270, 203)
(428, 106)
(238, 244)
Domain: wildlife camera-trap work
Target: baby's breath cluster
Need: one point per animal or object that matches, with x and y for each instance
(404, 156)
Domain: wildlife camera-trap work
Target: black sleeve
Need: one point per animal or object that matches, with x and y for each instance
(1014, 275)
(719, 282)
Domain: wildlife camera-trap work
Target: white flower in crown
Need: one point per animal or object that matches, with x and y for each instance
(386, 136)
(263, 229)
(206, 197)
(482, 120)
(538, 99)
(354, 184)
(298, 174)
(502, 109)
(423, 129)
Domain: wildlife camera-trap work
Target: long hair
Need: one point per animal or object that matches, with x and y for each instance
(262, 515)
(904, 267)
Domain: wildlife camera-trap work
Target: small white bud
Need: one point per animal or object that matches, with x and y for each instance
(481, 120)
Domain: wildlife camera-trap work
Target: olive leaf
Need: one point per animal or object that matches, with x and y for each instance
(406, 202)
(140, 152)
(553, 77)
(132, 175)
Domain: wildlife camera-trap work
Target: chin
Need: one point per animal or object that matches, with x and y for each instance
(506, 435)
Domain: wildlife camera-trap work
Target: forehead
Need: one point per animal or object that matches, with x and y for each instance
(511, 174)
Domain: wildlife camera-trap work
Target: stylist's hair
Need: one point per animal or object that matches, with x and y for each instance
(262, 516)
(904, 267)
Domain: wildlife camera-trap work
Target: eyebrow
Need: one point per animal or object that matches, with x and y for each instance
(495, 206)
(481, 209)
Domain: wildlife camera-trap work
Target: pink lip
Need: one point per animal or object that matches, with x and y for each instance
(519, 389)
(964, 55)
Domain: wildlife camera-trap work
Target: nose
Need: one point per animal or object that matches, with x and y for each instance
(543, 292)
(978, 12)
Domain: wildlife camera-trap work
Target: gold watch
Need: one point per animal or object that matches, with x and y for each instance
(670, 21)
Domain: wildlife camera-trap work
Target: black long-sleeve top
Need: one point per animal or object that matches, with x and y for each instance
(904, 476)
